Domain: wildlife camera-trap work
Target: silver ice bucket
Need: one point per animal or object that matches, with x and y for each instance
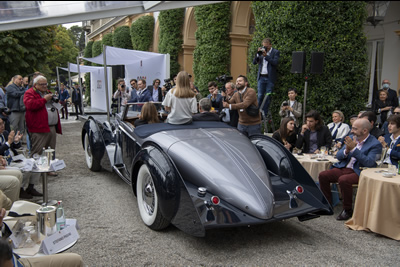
(46, 220)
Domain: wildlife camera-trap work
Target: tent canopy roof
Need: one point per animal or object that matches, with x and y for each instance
(16, 15)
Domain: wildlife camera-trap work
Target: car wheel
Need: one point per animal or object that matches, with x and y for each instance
(92, 163)
(147, 200)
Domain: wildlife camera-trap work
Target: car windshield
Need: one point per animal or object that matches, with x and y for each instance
(132, 110)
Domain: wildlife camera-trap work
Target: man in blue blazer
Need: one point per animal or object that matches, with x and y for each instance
(267, 59)
(360, 150)
(392, 140)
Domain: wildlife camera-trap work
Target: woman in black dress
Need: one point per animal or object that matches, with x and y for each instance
(286, 133)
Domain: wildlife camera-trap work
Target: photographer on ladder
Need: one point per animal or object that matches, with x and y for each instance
(267, 59)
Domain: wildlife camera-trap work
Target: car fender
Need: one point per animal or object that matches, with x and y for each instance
(175, 202)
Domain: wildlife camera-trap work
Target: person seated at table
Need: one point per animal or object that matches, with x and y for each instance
(341, 141)
(382, 106)
(384, 127)
(215, 97)
(291, 108)
(180, 101)
(205, 113)
(286, 133)
(8, 258)
(314, 134)
(360, 150)
(338, 128)
(391, 141)
(148, 115)
(371, 116)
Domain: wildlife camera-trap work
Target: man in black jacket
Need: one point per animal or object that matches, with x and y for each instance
(314, 134)
(77, 100)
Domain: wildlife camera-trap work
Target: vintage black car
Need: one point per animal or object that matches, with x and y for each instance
(202, 175)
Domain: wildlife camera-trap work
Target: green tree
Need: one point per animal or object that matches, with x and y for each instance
(63, 50)
(332, 27)
(142, 33)
(25, 51)
(211, 57)
(122, 38)
(171, 22)
(107, 40)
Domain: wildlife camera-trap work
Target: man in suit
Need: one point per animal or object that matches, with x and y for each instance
(360, 150)
(392, 140)
(371, 116)
(267, 59)
(205, 114)
(313, 134)
(215, 97)
(291, 108)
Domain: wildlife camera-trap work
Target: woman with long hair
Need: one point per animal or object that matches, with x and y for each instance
(286, 133)
(148, 115)
(180, 101)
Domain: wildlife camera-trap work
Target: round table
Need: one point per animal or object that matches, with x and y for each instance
(377, 204)
(313, 165)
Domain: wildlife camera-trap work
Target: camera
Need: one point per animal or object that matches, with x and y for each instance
(224, 78)
(168, 84)
(55, 99)
(285, 104)
(122, 86)
(262, 49)
(5, 110)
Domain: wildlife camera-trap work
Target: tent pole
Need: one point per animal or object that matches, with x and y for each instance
(80, 85)
(69, 78)
(106, 83)
(58, 79)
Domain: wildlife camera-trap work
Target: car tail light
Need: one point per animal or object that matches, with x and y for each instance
(299, 189)
(215, 200)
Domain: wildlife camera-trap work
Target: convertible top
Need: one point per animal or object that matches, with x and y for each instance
(146, 130)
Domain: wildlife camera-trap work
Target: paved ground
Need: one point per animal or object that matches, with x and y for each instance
(112, 234)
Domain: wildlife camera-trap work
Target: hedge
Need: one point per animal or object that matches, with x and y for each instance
(121, 38)
(171, 40)
(211, 57)
(332, 27)
(88, 54)
(142, 33)
(107, 40)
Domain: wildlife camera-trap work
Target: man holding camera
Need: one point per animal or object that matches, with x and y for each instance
(267, 59)
(291, 108)
(42, 121)
(230, 90)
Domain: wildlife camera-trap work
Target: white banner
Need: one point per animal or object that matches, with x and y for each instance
(98, 89)
(148, 69)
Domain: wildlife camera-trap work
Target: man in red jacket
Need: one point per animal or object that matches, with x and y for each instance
(42, 118)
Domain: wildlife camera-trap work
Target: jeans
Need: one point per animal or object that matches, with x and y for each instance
(264, 86)
(249, 130)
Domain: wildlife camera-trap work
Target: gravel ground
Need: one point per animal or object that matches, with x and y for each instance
(112, 233)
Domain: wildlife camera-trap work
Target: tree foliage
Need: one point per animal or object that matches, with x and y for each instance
(107, 40)
(142, 33)
(88, 53)
(211, 57)
(171, 40)
(122, 38)
(332, 27)
(63, 50)
(77, 35)
(25, 51)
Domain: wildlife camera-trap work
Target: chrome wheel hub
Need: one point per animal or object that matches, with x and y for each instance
(148, 196)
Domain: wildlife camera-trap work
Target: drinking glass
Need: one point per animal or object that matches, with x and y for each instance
(323, 151)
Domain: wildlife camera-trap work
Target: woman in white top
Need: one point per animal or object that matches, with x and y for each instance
(180, 101)
(338, 128)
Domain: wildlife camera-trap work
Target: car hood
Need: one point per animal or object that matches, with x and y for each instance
(226, 163)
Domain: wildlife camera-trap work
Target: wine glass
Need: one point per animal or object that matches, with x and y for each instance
(29, 230)
(323, 151)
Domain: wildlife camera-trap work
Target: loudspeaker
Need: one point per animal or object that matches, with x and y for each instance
(298, 62)
(118, 71)
(317, 62)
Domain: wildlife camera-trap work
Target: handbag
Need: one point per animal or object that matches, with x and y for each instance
(251, 110)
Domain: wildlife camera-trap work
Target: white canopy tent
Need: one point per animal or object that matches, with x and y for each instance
(138, 64)
(97, 84)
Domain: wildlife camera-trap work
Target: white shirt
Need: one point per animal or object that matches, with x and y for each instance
(182, 109)
(387, 159)
(342, 131)
(264, 69)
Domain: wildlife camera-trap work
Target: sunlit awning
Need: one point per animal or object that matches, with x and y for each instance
(16, 15)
